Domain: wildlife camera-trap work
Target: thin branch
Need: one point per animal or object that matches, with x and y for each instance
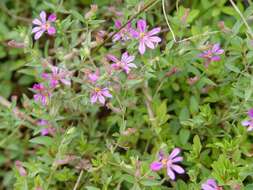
(198, 35)
(16, 111)
(78, 180)
(167, 21)
(151, 3)
(242, 17)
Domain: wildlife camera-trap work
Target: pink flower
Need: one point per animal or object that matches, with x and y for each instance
(212, 54)
(43, 25)
(57, 75)
(48, 130)
(146, 38)
(249, 123)
(124, 34)
(210, 184)
(93, 77)
(99, 95)
(124, 64)
(169, 162)
(20, 168)
(42, 94)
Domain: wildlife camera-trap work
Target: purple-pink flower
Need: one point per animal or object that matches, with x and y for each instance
(93, 76)
(124, 34)
(21, 170)
(57, 75)
(249, 123)
(99, 94)
(44, 25)
(124, 64)
(210, 184)
(146, 38)
(212, 54)
(47, 130)
(169, 162)
(42, 94)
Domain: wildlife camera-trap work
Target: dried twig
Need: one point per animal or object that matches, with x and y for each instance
(78, 180)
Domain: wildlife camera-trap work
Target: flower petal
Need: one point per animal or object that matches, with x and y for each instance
(206, 187)
(177, 169)
(131, 65)
(37, 22)
(174, 153)
(215, 47)
(134, 33)
(36, 29)
(211, 182)
(51, 30)
(52, 17)
(142, 47)
(245, 123)
(171, 174)
(116, 37)
(177, 159)
(220, 51)
(117, 24)
(155, 166)
(66, 82)
(155, 39)
(112, 58)
(141, 25)
(43, 16)
(101, 99)
(93, 98)
(154, 31)
(149, 44)
(38, 34)
(215, 58)
(250, 113)
(106, 93)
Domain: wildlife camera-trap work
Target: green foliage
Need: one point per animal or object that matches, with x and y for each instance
(156, 107)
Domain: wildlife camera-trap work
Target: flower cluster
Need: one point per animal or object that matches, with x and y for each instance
(100, 92)
(146, 38)
(57, 75)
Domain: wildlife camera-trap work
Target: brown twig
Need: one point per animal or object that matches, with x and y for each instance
(78, 180)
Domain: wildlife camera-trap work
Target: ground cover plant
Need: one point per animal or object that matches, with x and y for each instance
(126, 95)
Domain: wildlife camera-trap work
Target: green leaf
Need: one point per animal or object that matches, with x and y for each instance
(184, 135)
(147, 182)
(91, 188)
(43, 140)
(78, 16)
(197, 145)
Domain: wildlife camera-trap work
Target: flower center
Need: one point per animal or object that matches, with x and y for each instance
(46, 26)
(164, 161)
(142, 34)
(97, 89)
